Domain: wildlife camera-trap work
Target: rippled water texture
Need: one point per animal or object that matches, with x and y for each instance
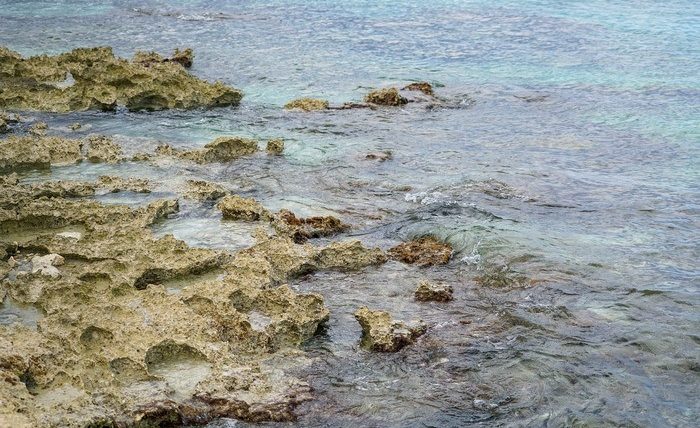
(572, 161)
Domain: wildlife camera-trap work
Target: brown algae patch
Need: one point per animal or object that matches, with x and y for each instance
(95, 79)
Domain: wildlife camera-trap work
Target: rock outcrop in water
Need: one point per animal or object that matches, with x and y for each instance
(302, 229)
(423, 87)
(201, 190)
(183, 57)
(94, 79)
(385, 97)
(38, 152)
(234, 207)
(307, 104)
(424, 251)
(430, 292)
(275, 146)
(103, 149)
(222, 149)
(383, 334)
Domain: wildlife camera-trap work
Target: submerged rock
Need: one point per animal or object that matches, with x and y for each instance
(201, 190)
(103, 149)
(307, 104)
(429, 292)
(425, 251)
(379, 156)
(423, 87)
(94, 79)
(383, 334)
(222, 149)
(275, 147)
(385, 97)
(302, 229)
(234, 207)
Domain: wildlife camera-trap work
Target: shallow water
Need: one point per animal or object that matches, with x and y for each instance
(572, 158)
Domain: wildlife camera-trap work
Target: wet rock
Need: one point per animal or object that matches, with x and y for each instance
(201, 190)
(430, 292)
(349, 255)
(147, 59)
(38, 128)
(307, 104)
(502, 277)
(234, 207)
(61, 189)
(103, 149)
(385, 97)
(120, 184)
(383, 334)
(423, 87)
(425, 251)
(275, 147)
(46, 265)
(40, 152)
(302, 229)
(222, 149)
(75, 126)
(94, 79)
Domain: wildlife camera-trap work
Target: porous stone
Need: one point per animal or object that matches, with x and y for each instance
(234, 207)
(424, 251)
(385, 97)
(201, 190)
(94, 79)
(40, 152)
(423, 87)
(430, 292)
(222, 149)
(383, 334)
(120, 184)
(103, 149)
(307, 104)
(302, 229)
(275, 147)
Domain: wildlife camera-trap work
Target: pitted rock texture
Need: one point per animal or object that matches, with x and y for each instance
(423, 87)
(234, 207)
(222, 149)
(302, 229)
(385, 97)
(383, 334)
(101, 149)
(431, 292)
(201, 190)
(424, 251)
(307, 104)
(275, 146)
(94, 79)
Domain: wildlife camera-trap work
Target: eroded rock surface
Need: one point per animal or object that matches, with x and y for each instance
(381, 333)
(201, 190)
(158, 356)
(101, 149)
(307, 104)
(385, 97)
(275, 146)
(234, 207)
(431, 292)
(424, 251)
(94, 79)
(423, 87)
(302, 229)
(222, 149)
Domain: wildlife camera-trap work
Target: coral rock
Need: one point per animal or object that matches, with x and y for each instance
(234, 207)
(385, 97)
(307, 104)
(425, 251)
(429, 292)
(302, 229)
(423, 87)
(31, 151)
(275, 147)
(201, 190)
(383, 334)
(94, 79)
(103, 149)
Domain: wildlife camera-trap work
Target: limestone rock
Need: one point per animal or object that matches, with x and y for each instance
(423, 87)
(349, 255)
(302, 229)
(103, 149)
(425, 251)
(275, 147)
(307, 104)
(383, 334)
(31, 151)
(222, 149)
(430, 292)
(234, 207)
(120, 184)
(385, 97)
(94, 79)
(201, 190)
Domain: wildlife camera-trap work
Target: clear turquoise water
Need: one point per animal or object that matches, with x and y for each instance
(602, 163)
